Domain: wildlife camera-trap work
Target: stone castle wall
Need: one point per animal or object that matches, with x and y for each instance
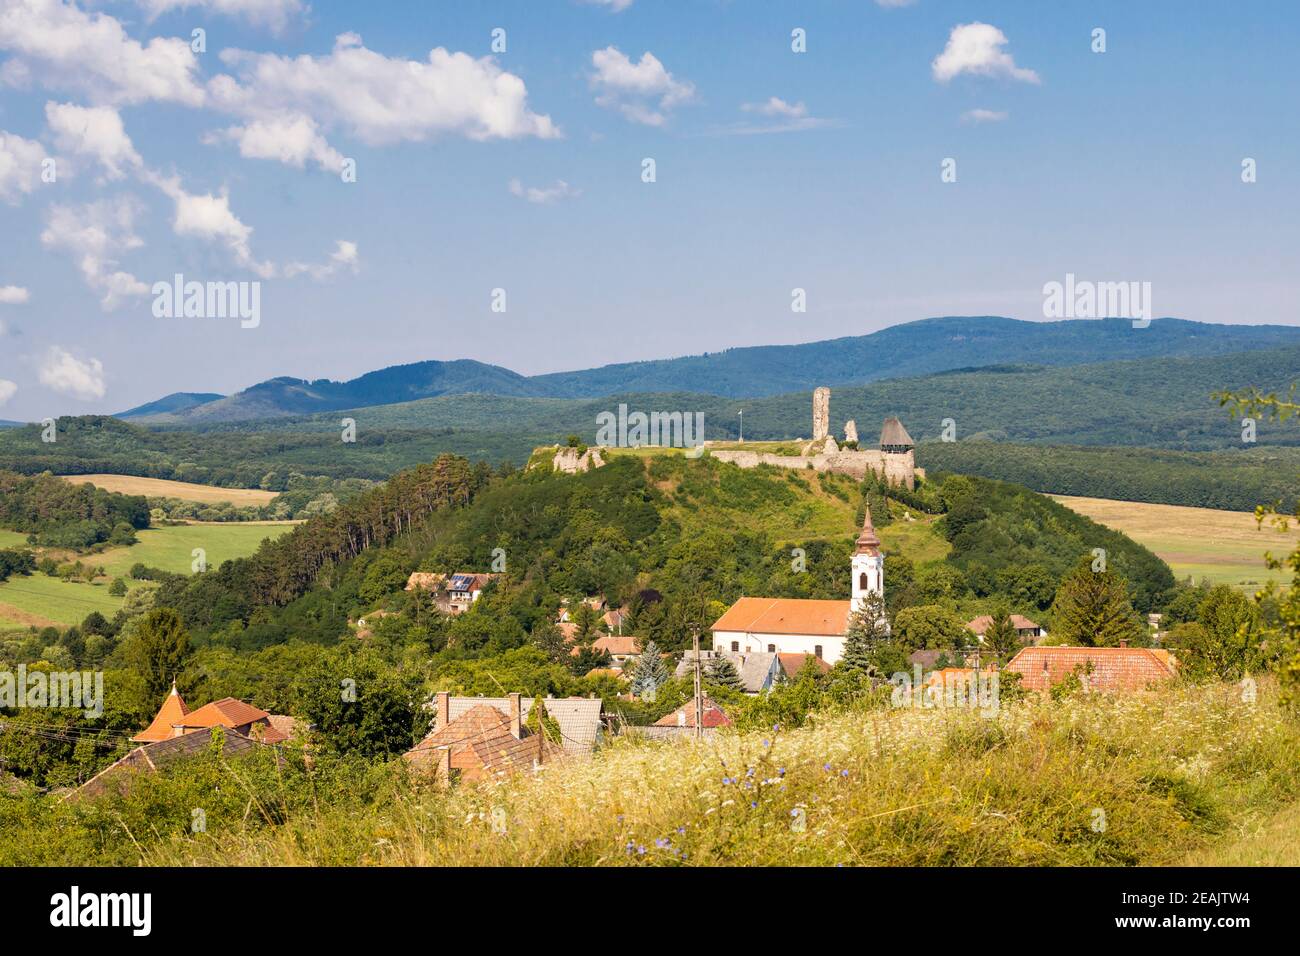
(897, 469)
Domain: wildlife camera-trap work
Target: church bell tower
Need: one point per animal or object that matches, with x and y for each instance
(868, 564)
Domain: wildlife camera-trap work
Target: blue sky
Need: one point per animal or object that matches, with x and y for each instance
(775, 170)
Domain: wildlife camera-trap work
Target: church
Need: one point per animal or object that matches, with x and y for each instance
(800, 626)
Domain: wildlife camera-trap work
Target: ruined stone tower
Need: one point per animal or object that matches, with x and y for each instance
(821, 413)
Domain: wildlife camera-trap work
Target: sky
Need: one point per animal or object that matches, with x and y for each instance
(401, 181)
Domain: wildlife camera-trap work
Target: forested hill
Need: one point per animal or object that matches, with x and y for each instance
(671, 537)
(912, 349)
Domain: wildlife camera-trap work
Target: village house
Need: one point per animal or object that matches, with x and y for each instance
(175, 719)
(1120, 668)
(801, 626)
(176, 732)
(1026, 630)
(455, 593)
(480, 743)
(623, 649)
(681, 722)
(759, 672)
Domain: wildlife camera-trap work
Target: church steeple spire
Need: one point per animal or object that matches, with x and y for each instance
(867, 542)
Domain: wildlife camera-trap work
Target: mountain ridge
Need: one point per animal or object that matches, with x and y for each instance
(913, 349)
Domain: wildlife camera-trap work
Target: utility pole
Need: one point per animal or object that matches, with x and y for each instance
(742, 426)
(699, 698)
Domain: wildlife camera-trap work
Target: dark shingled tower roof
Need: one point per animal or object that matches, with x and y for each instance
(894, 435)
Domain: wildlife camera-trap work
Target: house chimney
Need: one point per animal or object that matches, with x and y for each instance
(178, 730)
(444, 766)
(442, 710)
(1123, 642)
(516, 721)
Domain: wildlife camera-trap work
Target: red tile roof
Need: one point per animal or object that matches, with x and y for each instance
(684, 716)
(793, 663)
(754, 615)
(226, 712)
(1113, 668)
(617, 644)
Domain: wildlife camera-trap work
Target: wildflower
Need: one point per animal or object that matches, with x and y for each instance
(753, 804)
(780, 771)
(766, 742)
(826, 767)
(662, 843)
(640, 851)
(844, 773)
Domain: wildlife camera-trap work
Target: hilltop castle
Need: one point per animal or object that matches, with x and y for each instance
(894, 460)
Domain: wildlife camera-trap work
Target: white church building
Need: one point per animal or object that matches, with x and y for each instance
(800, 626)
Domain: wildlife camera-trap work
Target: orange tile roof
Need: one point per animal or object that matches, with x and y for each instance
(755, 615)
(617, 644)
(172, 711)
(227, 712)
(1113, 668)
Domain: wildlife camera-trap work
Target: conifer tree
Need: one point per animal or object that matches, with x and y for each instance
(867, 630)
(722, 673)
(1001, 638)
(650, 672)
(1092, 609)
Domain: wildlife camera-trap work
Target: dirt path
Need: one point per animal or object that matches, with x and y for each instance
(25, 618)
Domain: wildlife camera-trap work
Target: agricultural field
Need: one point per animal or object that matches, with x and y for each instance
(41, 600)
(1225, 547)
(12, 539)
(184, 490)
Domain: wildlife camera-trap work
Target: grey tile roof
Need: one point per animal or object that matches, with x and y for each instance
(758, 671)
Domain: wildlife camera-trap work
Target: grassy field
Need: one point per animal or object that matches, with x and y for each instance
(1270, 841)
(159, 488)
(12, 539)
(1142, 779)
(42, 600)
(1227, 547)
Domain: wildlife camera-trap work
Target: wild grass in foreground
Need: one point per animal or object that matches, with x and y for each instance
(1145, 779)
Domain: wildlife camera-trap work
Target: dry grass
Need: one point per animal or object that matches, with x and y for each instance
(1227, 547)
(1143, 779)
(161, 488)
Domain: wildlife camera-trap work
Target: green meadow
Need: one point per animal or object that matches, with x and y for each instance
(41, 600)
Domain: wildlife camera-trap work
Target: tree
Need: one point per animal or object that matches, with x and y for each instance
(721, 672)
(548, 637)
(586, 619)
(867, 629)
(1001, 638)
(1281, 627)
(117, 588)
(156, 648)
(1092, 609)
(930, 626)
(650, 672)
(1223, 643)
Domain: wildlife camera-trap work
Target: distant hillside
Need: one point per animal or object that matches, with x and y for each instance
(917, 348)
(1150, 402)
(913, 349)
(175, 402)
(5, 423)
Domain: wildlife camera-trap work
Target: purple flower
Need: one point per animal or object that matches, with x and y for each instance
(780, 771)
(766, 742)
(844, 773)
(753, 804)
(826, 766)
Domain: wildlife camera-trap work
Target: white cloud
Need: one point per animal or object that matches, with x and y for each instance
(7, 390)
(66, 47)
(645, 92)
(984, 116)
(13, 295)
(615, 6)
(343, 257)
(93, 235)
(275, 15)
(93, 131)
(65, 373)
(205, 216)
(775, 106)
(20, 166)
(292, 140)
(977, 48)
(544, 194)
(381, 100)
